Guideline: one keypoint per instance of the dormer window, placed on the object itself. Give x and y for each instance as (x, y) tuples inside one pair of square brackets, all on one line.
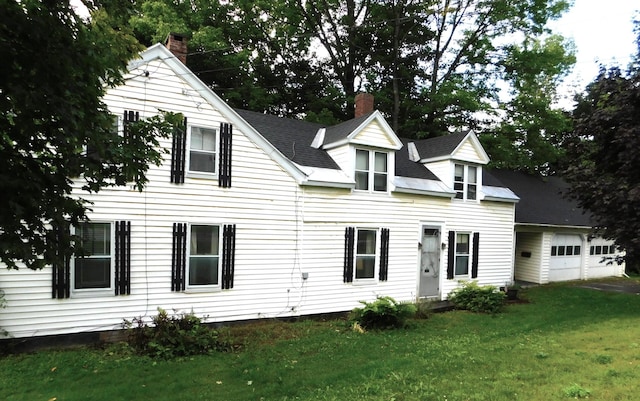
[(371, 170), (465, 182)]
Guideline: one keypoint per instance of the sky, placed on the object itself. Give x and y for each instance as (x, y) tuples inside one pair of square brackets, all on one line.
[(602, 31)]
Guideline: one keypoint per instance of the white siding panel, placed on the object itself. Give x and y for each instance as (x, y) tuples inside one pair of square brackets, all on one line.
[(527, 268), (373, 135), (443, 170), (468, 153)]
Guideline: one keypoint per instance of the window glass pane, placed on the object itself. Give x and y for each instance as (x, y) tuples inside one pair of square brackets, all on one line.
[(366, 242), (92, 272), (459, 173), (591, 250), (561, 251), (472, 174), (554, 250), (462, 243), (365, 266), (362, 180), (204, 240), (380, 165), (199, 161), (203, 270), (569, 250), (576, 250), (362, 159), (380, 182), (203, 139), (462, 265), (598, 249), (95, 238), (471, 191)]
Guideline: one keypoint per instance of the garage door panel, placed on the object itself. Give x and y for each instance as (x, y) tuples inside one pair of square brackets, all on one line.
[(565, 262)]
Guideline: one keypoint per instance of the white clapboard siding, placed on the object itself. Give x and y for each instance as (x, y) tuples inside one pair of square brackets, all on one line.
[(468, 153), (374, 135), (529, 268)]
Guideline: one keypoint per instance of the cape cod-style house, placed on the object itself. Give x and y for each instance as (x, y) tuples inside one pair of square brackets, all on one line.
[(253, 216)]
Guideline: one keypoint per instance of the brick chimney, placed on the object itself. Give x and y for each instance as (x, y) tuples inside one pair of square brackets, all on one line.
[(177, 44), (364, 104)]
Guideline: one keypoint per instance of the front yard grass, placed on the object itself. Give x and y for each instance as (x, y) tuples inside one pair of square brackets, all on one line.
[(566, 343)]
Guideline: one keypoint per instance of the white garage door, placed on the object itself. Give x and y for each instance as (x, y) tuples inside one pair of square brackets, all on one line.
[(566, 257)]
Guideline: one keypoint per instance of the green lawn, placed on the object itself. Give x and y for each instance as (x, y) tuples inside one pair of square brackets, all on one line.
[(564, 342)]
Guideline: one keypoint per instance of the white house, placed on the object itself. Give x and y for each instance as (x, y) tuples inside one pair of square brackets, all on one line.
[(554, 238), (254, 216)]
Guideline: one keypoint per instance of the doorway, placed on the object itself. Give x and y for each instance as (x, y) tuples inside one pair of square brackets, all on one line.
[(429, 262)]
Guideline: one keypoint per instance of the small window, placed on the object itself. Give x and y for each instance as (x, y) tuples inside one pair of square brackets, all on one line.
[(598, 249), (561, 250), (577, 249), (465, 182), (367, 179), (592, 250), (462, 254), (202, 150), (365, 254), (204, 255), (92, 270), (554, 250)]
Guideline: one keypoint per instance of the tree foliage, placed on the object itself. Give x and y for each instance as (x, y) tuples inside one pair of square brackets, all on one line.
[(56, 69), (604, 155), (433, 65)]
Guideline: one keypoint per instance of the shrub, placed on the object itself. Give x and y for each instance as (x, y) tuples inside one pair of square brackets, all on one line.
[(172, 336), (576, 391), (475, 298), (383, 313)]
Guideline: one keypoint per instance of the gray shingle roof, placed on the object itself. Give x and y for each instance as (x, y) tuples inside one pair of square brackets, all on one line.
[(439, 146), (341, 131), (542, 200), (408, 168), (291, 137)]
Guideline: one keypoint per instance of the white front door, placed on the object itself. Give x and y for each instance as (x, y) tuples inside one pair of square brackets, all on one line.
[(430, 262)]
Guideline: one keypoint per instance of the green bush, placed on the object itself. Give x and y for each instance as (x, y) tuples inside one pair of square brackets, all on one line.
[(383, 313), (475, 298), (172, 336)]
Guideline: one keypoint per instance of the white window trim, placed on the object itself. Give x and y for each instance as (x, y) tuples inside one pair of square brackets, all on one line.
[(371, 172), (469, 254), (204, 288), (94, 292), (202, 174), (466, 183), (376, 263)]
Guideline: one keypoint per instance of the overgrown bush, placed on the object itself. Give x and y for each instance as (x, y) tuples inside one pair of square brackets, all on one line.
[(475, 298), (171, 336), (383, 313)]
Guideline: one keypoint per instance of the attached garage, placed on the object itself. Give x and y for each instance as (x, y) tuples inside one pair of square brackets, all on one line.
[(565, 262)]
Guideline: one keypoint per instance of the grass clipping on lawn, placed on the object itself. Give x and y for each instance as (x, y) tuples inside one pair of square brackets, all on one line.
[(566, 343)]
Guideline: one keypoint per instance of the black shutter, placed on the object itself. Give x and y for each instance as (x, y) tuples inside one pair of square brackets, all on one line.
[(349, 243), (61, 277), (224, 171), (179, 257), (178, 151), (128, 118), (474, 256), (123, 258), (228, 255), (384, 254), (451, 260)]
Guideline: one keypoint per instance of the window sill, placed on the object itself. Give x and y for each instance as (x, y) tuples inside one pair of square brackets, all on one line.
[(93, 293), (202, 290), (364, 281), (202, 175)]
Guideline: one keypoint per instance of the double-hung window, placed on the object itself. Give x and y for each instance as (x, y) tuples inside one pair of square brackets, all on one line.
[(93, 268), (204, 256), (366, 249), (202, 150), (372, 170), (462, 254), (465, 182), (365, 254)]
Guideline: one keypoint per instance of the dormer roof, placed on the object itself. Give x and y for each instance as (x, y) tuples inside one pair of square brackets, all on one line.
[(463, 145), (352, 132)]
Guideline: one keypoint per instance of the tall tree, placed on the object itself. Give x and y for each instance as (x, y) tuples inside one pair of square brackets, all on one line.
[(604, 155), (56, 71), (530, 133)]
